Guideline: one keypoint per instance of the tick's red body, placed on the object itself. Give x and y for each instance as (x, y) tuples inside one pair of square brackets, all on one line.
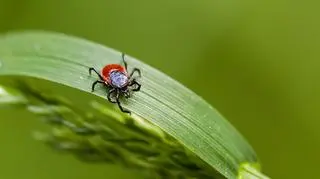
[(105, 72), (116, 78)]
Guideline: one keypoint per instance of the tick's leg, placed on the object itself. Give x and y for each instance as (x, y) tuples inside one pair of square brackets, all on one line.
[(124, 62), (135, 70), (92, 69), (95, 83), (119, 104), (111, 91), (126, 94), (134, 82)]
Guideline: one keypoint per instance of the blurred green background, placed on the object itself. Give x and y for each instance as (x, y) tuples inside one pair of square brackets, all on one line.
[(257, 62)]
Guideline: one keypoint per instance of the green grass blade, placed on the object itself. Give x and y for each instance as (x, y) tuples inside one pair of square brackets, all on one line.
[(162, 101)]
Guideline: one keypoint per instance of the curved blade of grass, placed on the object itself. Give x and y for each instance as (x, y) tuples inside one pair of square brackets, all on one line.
[(162, 101)]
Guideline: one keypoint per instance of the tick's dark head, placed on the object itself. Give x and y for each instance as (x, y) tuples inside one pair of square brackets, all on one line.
[(118, 79)]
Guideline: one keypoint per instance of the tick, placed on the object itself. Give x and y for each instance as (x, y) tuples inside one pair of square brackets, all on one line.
[(118, 81)]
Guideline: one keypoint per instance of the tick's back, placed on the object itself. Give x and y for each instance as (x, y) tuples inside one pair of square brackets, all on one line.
[(110, 68)]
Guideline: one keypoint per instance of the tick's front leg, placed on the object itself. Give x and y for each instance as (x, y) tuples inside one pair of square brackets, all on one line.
[(124, 62), (135, 70), (138, 85), (119, 104)]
